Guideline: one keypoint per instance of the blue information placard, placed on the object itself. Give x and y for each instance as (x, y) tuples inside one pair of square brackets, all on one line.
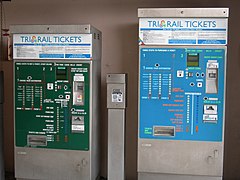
[(182, 93)]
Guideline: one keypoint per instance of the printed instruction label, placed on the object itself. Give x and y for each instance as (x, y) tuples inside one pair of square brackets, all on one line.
[(117, 96), (182, 31), (52, 46)]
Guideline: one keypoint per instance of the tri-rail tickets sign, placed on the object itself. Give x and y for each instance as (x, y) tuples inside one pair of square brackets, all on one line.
[(52, 46), (182, 31)]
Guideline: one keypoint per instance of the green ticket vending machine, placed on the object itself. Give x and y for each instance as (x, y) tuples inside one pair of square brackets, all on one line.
[(56, 101)]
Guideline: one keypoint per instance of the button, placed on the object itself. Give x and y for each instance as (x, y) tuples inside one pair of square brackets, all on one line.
[(67, 97), (199, 84), (180, 73), (50, 86)]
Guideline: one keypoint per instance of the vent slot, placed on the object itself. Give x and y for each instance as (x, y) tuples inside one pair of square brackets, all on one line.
[(166, 131), (35, 140)]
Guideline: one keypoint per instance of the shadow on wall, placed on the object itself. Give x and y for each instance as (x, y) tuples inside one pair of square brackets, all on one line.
[(130, 66), (8, 115)]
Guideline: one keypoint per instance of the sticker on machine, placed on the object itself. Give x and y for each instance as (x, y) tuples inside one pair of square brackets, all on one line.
[(182, 31), (52, 46), (117, 96)]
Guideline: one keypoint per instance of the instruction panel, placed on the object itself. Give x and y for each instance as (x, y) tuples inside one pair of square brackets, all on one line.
[(182, 93), (52, 105)]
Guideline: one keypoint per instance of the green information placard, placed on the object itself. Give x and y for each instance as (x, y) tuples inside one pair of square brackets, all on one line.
[(52, 105)]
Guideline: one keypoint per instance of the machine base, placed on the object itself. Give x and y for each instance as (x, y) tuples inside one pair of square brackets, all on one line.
[(154, 176)]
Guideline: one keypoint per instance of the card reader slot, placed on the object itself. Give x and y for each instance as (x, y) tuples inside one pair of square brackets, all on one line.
[(35, 140), (164, 131)]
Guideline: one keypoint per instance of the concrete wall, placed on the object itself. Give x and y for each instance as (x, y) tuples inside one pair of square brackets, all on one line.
[(117, 19)]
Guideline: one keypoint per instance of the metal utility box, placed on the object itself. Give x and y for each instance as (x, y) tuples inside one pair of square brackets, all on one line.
[(116, 104), (56, 101), (116, 91), (182, 80)]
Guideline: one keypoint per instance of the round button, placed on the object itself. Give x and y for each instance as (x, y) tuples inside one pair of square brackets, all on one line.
[(192, 84)]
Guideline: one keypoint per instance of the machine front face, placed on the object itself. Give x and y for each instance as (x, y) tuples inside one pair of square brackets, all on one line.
[(181, 93), (52, 105), (56, 90), (182, 65)]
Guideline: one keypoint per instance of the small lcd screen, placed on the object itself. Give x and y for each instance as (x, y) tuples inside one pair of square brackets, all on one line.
[(192, 60), (61, 73)]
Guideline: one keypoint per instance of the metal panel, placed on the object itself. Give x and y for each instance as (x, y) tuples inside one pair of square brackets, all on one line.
[(116, 78), (48, 29), (116, 89), (95, 114), (31, 163), (116, 104), (183, 12), (180, 157), (116, 144), (152, 176)]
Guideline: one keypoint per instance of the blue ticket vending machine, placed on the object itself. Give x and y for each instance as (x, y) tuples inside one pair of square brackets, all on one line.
[(182, 64)]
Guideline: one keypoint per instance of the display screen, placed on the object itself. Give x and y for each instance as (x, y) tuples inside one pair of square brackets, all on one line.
[(61, 73), (192, 59)]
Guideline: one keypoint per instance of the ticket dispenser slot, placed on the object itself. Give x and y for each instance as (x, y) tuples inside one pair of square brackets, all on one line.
[(212, 78), (78, 90)]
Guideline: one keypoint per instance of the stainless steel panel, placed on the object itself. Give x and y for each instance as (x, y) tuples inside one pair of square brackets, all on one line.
[(52, 164), (116, 144), (180, 157), (78, 93), (212, 80), (48, 29), (116, 90), (95, 98), (183, 12), (152, 176), (116, 78)]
